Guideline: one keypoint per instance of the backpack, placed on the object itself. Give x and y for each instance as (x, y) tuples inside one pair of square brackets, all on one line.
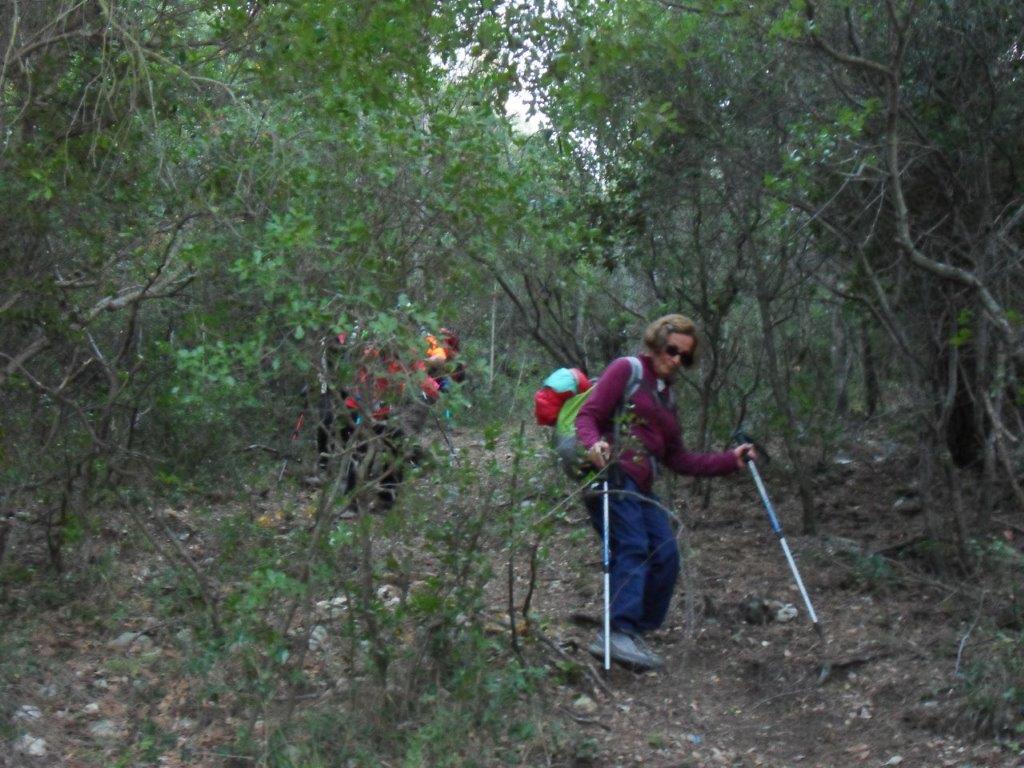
[(570, 453), (555, 391)]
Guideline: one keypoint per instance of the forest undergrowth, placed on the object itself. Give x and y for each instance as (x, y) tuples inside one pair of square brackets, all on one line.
[(223, 218), (268, 629)]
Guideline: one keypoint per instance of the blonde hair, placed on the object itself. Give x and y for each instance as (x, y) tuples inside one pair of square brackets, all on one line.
[(657, 333)]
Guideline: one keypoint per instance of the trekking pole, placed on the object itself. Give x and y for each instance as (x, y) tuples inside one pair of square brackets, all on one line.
[(606, 568), (295, 436), (444, 434), (777, 528)]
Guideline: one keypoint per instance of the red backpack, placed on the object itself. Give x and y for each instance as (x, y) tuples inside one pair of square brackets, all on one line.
[(556, 389)]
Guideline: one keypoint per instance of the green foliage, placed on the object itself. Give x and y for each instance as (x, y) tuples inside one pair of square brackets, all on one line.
[(932, 554), (963, 333), (873, 573), (993, 675), (994, 685), (401, 598), (194, 196), (16, 661), (793, 23)]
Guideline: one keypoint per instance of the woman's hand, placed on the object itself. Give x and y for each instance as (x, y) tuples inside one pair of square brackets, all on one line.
[(744, 452), (599, 453)]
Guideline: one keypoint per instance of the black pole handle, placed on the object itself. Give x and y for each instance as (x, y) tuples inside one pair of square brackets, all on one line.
[(739, 436)]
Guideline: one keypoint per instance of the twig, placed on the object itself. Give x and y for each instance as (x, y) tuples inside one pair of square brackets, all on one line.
[(512, 545), (595, 678), (17, 361), (260, 447), (697, 10), (532, 585), (784, 694), (967, 635), (585, 720), (209, 590)]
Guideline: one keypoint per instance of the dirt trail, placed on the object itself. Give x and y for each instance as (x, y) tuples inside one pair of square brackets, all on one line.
[(736, 693)]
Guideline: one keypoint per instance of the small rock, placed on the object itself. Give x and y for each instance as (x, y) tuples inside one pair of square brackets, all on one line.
[(104, 729), (132, 641), (31, 746), (318, 638), (786, 613), (838, 545), (720, 757), (754, 611), (28, 712), (388, 595), (124, 640), (184, 637), (91, 708), (585, 704), (907, 505), (333, 608), (894, 760)]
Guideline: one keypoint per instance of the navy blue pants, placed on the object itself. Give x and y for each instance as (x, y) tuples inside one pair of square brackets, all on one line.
[(644, 556)]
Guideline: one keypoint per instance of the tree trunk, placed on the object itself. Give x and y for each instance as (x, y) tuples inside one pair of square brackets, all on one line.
[(872, 393), (841, 364), (790, 430), (494, 327)]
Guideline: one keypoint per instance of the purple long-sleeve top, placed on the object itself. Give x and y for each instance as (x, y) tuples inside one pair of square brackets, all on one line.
[(652, 425)]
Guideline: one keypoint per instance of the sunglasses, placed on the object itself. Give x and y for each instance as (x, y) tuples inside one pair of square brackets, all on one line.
[(685, 357)]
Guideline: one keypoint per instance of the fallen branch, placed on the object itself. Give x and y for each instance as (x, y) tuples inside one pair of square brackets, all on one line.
[(584, 720), (595, 678), (899, 547)]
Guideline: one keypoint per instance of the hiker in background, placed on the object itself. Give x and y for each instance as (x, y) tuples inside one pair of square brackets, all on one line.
[(441, 362), (644, 554), (388, 400), (380, 403), (331, 349)]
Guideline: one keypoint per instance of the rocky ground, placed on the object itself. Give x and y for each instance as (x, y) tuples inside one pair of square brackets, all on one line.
[(742, 688), (747, 682)]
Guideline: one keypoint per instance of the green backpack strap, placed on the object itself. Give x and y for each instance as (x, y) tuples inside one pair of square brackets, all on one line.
[(566, 422), (567, 447)]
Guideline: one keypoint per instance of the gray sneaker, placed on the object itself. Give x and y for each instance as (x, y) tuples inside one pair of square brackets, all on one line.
[(628, 650)]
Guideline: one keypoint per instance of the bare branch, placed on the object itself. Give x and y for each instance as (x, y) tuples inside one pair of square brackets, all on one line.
[(851, 32), (904, 237), (696, 9), (853, 60), (17, 361)]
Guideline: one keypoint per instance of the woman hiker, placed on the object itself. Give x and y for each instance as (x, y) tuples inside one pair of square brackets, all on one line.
[(644, 555)]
